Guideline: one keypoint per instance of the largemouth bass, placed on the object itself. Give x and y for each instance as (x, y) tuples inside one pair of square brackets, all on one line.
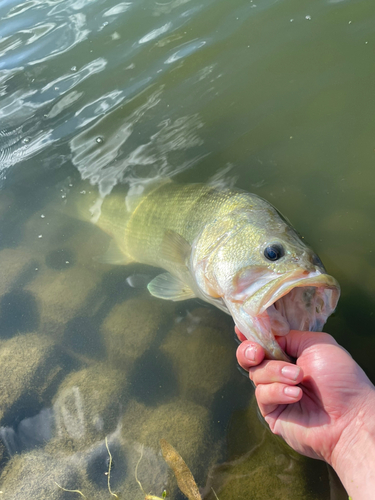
[(228, 247)]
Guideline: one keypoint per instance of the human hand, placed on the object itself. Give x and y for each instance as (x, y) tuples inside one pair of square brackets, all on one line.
[(314, 405)]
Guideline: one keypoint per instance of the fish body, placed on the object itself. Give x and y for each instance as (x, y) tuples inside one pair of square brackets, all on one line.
[(228, 247)]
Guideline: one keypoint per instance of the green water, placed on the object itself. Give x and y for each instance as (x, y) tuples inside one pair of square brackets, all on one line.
[(274, 96)]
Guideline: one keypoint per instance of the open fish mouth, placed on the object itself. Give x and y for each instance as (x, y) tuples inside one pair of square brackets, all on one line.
[(304, 305), (298, 302)]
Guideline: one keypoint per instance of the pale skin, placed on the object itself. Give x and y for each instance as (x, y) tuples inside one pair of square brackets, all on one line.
[(323, 406)]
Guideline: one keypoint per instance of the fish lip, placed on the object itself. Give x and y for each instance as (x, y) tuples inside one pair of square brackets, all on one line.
[(259, 302)]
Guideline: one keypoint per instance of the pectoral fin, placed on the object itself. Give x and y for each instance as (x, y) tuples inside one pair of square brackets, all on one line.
[(113, 256), (175, 248), (168, 287)]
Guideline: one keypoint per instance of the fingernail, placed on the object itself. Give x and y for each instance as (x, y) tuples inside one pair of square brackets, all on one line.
[(291, 372), (250, 353), (291, 391)]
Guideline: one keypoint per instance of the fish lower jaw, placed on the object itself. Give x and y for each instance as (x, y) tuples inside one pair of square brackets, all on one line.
[(258, 330), (255, 330), (267, 340), (271, 346)]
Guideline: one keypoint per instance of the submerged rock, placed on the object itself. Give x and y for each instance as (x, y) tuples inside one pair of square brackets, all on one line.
[(31, 367), (262, 466), (61, 295), (41, 475), (14, 263), (19, 312), (88, 406), (30, 433), (183, 424), (133, 326), (31, 476), (203, 356), (152, 379)]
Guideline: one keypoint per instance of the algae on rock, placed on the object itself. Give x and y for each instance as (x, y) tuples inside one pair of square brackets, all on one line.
[(133, 326), (30, 369), (185, 425), (13, 262), (38, 475), (203, 360), (262, 466), (61, 294), (88, 405)]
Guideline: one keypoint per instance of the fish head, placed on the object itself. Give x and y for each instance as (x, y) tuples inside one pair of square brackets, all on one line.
[(270, 281)]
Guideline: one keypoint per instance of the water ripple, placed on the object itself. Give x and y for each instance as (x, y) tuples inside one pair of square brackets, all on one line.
[(23, 104), (21, 8), (185, 51), (123, 157), (15, 147), (45, 92), (162, 8), (70, 34), (64, 103), (15, 105), (38, 31), (120, 8), (155, 33), (68, 81), (48, 40), (92, 110)]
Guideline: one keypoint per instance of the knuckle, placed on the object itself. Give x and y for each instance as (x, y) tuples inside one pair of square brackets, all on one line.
[(259, 393), (270, 367), (275, 391)]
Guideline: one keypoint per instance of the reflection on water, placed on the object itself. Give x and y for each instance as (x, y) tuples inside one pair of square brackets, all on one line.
[(96, 150), (274, 96)]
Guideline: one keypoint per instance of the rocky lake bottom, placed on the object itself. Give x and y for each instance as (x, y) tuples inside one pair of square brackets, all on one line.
[(91, 364)]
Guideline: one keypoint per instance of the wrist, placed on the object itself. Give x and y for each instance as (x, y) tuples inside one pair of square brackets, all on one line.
[(354, 455)]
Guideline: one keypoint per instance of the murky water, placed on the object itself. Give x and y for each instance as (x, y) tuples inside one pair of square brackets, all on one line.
[(274, 96)]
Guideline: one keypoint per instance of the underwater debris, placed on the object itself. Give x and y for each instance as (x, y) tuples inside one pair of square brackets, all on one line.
[(109, 469), (185, 479), (147, 496), (214, 492), (70, 491), (108, 473)]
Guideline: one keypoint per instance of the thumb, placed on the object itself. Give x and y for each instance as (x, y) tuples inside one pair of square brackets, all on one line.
[(296, 342), (249, 354)]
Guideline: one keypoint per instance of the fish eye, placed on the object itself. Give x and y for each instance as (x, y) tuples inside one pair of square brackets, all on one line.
[(274, 252)]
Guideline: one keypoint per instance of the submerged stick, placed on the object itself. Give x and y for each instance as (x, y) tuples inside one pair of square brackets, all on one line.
[(70, 491), (214, 492), (185, 479), (109, 469)]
